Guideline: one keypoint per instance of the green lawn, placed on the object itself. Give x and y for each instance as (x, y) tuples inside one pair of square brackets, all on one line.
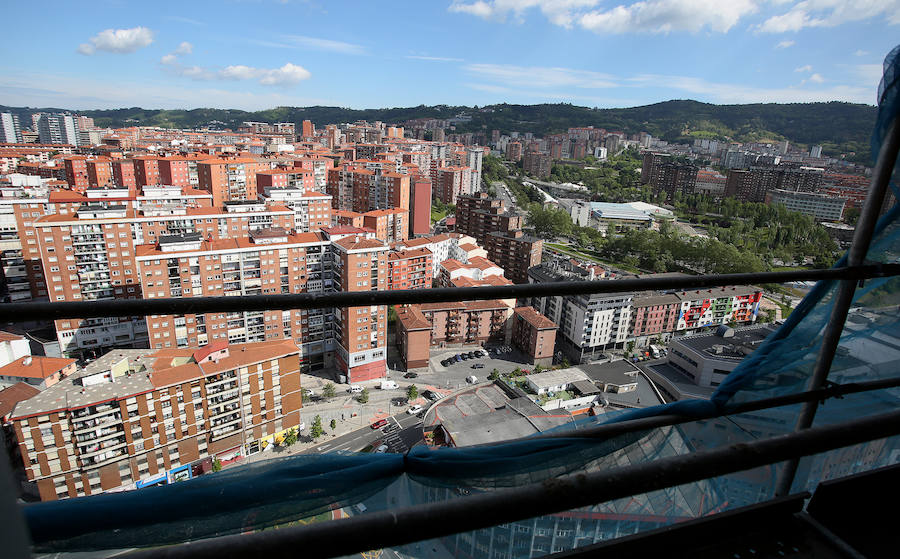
[(590, 255)]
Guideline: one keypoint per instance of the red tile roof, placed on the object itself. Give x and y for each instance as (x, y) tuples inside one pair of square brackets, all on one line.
[(14, 394), (35, 367), (536, 319)]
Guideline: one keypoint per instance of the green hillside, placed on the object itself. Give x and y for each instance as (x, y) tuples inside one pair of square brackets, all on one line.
[(840, 128)]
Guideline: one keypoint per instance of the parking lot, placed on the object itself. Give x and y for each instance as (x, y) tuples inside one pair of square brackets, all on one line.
[(453, 375)]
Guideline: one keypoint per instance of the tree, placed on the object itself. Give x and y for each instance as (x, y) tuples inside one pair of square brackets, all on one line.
[(216, 465), (363, 397), (290, 438), (495, 375), (333, 424), (328, 390), (316, 430), (412, 392), (565, 363), (304, 396), (629, 347), (538, 369)]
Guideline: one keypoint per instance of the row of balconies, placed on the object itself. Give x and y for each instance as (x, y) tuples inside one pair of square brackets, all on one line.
[(88, 424)]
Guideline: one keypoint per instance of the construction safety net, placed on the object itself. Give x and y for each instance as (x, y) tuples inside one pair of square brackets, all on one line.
[(304, 488)]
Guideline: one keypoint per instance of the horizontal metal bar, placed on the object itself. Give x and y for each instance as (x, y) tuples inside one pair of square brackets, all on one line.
[(421, 522), (14, 312), (609, 430)]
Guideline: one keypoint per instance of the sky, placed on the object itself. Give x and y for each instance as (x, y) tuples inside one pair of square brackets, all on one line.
[(259, 54)]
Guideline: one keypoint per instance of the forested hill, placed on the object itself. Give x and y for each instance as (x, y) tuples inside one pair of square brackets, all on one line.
[(840, 128)]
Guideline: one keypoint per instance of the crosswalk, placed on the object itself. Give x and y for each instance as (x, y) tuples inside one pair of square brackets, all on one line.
[(392, 437)]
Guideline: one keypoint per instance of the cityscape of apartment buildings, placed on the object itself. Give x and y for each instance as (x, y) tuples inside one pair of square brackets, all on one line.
[(93, 214)]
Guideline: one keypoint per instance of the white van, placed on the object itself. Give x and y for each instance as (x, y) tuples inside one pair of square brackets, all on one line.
[(355, 389), (388, 385)]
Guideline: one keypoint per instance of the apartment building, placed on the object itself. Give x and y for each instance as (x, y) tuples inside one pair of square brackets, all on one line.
[(294, 179), (357, 188), (312, 210), (10, 131), (703, 308), (449, 183), (537, 164), (229, 179), (456, 324), (91, 256), (535, 335), (514, 151), (752, 185), (146, 170), (420, 206), (56, 128), (440, 247), (673, 178), (409, 269), (268, 261), (588, 324), (180, 170), (477, 269), (478, 215), (76, 172), (515, 252), (821, 206), (142, 417), (360, 264), (37, 371), (654, 316), (390, 225)]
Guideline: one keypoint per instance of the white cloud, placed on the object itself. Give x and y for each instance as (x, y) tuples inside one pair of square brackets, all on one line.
[(655, 16), (817, 78), (328, 45), (559, 12), (184, 48), (434, 58), (75, 93), (541, 77), (806, 68), (288, 74), (861, 52), (830, 13), (664, 16), (785, 44), (118, 40), (480, 9)]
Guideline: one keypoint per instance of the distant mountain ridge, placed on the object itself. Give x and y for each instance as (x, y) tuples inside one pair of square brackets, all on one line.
[(840, 128)]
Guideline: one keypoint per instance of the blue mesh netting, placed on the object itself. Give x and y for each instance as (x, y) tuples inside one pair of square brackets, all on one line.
[(263, 495)]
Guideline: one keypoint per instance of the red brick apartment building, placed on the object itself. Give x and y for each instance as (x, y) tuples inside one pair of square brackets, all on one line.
[(360, 264), (409, 269), (534, 334), (143, 417)]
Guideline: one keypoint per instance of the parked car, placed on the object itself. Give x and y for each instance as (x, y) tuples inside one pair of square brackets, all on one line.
[(478, 366), (400, 401), (464, 356), (379, 424), (429, 395), (472, 355), (355, 389), (447, 362), (382, 448), (457, 358), (410, 375), (481, 353), (414, 410), (472, 379)]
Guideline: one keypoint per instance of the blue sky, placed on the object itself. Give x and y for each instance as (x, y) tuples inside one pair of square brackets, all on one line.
[(265, 53)]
